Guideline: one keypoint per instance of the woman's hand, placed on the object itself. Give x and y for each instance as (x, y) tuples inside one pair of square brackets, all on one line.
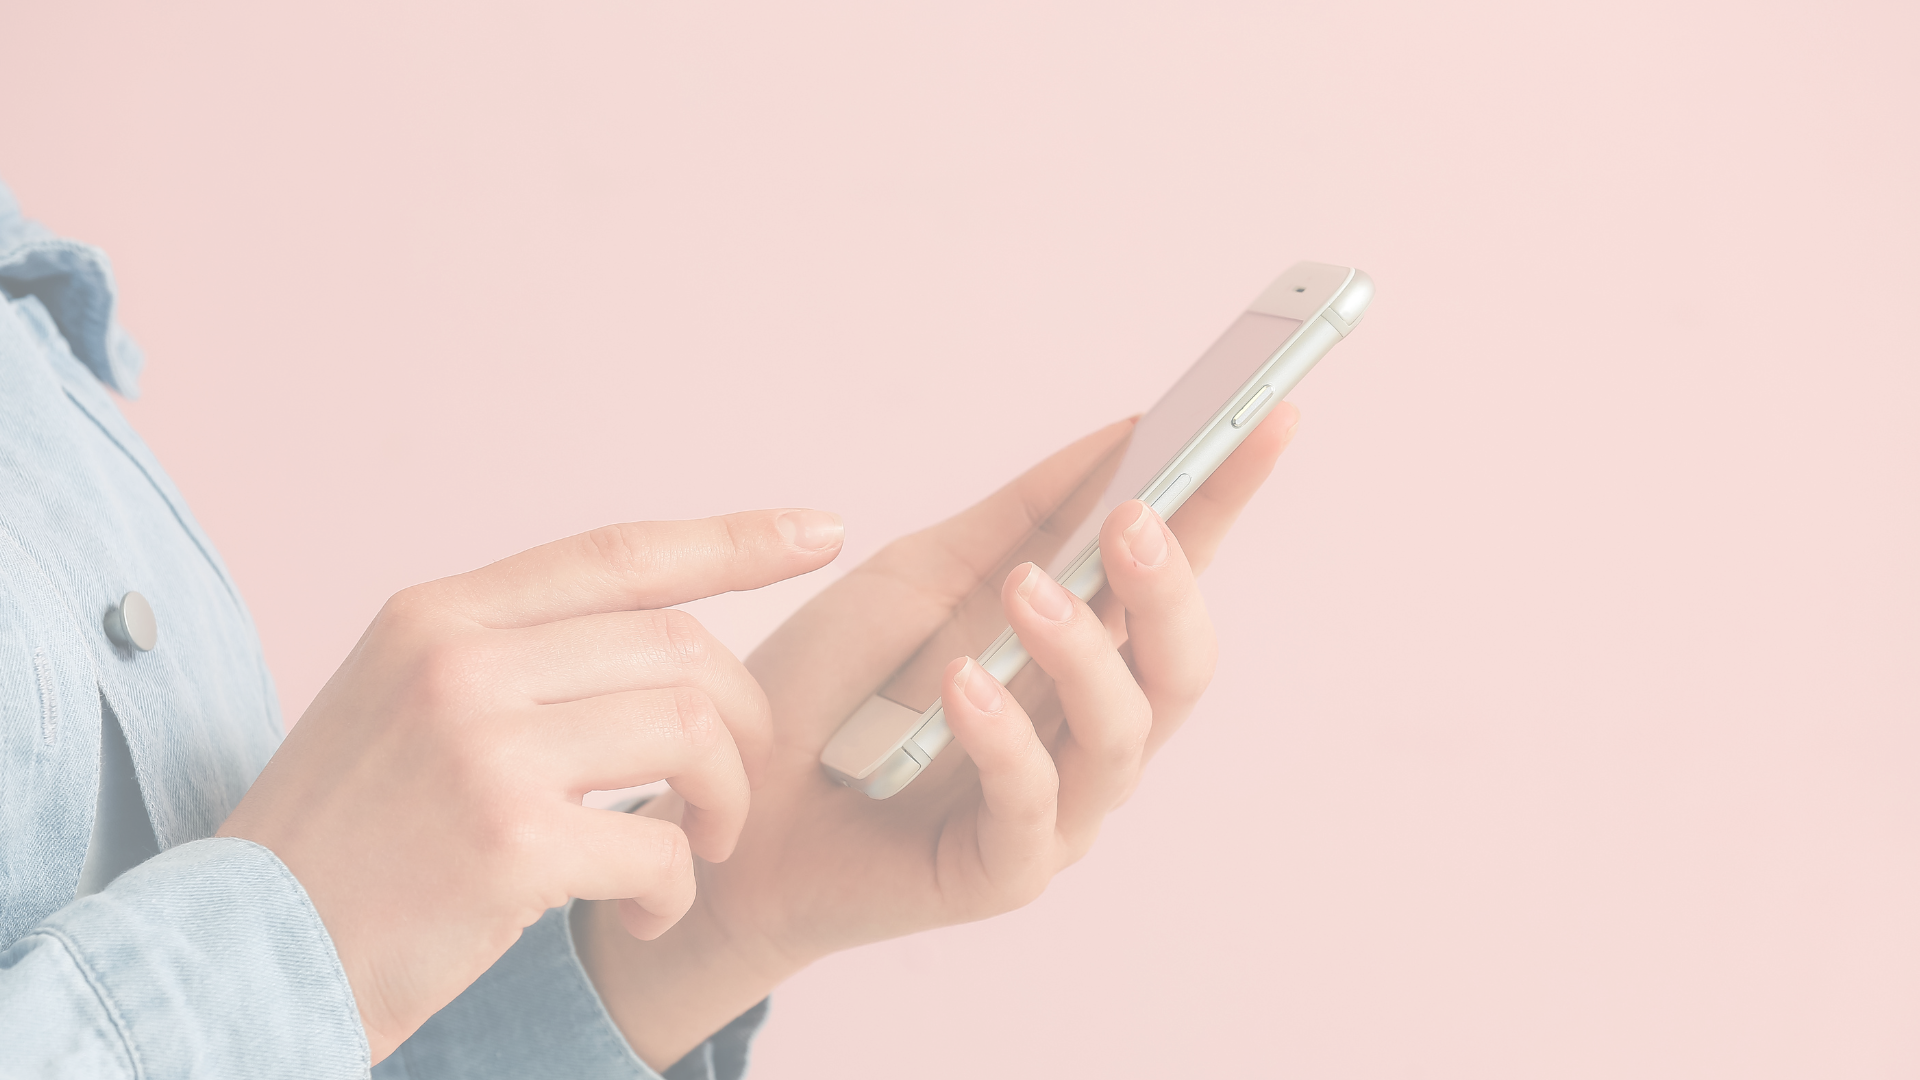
[(821, 868), (429, 800)]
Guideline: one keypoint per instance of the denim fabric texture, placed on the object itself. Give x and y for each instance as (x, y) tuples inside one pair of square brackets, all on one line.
[(207, 960)]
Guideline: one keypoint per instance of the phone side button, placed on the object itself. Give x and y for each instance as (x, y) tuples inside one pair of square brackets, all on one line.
[(1164, 503), (1253, 406)]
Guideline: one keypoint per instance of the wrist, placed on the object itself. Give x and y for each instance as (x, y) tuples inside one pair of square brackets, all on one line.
[(671, 994)]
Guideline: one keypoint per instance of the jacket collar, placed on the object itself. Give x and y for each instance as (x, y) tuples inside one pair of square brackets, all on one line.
[(75, 282)]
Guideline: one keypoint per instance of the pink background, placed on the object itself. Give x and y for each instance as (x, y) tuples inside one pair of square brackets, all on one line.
[(1568, 719)]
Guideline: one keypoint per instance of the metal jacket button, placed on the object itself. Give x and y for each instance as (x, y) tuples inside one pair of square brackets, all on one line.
[(132, 623)]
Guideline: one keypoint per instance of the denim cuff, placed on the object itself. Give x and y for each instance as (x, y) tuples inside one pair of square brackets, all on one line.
[(723, 1057), (206, 960), (535, 1013)]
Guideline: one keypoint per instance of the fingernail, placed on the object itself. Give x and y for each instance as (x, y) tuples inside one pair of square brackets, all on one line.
[(981, 688), (1146, 539), (1045, 596), (811, 530), (1292, 418)]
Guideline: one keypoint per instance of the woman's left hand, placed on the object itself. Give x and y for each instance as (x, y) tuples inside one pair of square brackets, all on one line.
[(820, 868)]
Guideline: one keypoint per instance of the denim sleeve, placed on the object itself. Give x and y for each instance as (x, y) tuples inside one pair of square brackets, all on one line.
[(535, 1013), (207, 960)]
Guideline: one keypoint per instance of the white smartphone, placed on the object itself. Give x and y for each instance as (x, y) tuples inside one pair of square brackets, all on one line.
[(1171, 451)]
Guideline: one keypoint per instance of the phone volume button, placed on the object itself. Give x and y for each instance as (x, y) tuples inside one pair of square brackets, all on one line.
[(1163, 503), (1254, 405)]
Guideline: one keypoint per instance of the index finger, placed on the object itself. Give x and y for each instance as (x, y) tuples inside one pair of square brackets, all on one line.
[(648, 564)]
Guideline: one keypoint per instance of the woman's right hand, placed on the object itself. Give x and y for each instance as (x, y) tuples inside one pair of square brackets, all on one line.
[(429, 800)]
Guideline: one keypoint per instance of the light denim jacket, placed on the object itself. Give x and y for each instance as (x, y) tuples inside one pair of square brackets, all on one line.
[(206, 960)]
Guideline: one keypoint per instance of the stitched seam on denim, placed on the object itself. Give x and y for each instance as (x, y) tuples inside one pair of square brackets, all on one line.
[(212, 563), (12, 257), (339, 971), (49, 704), (64, 601), (72, 949)]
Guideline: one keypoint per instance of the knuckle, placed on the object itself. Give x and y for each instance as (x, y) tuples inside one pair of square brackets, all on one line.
[(1029, 890), (1111, 753), (667, 852), (1046, 806), (686, 641), (1195, 687), (1119, 740), (508, 839), (619, 548), (698, 718), (476, 766), (1013, 891), (1076, 851), (448, 674), (406, 610), (1133, 736), (736, 538)]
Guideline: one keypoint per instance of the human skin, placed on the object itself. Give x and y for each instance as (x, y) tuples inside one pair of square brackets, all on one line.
[(820, 868), (447, 757)]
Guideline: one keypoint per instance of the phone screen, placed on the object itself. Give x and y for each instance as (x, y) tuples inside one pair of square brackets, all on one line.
[(1163, 432)]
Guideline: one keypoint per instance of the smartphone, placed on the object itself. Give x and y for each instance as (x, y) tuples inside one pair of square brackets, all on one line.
[(1171, 451)]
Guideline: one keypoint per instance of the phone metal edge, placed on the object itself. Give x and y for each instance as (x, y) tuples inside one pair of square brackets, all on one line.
[(1337, 310)]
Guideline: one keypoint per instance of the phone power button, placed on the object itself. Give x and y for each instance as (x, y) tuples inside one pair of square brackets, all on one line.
[(1253, 407)]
